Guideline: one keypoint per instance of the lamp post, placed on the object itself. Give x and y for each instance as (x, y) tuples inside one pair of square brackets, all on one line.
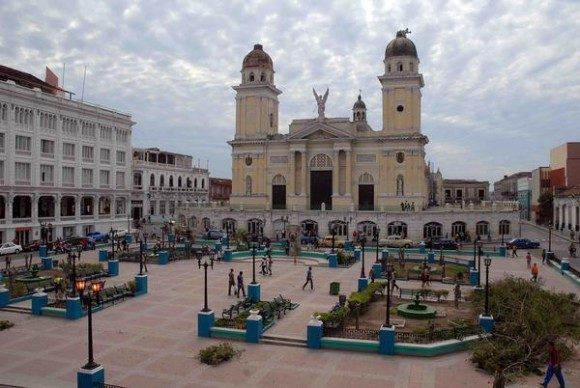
[(333, 234), (44, 228), (284, 221), (141, 257), (253, 260), (474, 251), (376, 237), (95, 287), (487, 264), (389, 276), (479, 251), (72, 259), (205, 307), (363, 240), (550, 237), (112, 233), (347, 221)]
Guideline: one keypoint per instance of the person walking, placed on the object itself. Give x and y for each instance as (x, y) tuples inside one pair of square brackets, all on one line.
[(270, 262), (241, 285), (211, 260), (394, 281), (231, 281), (554, 367), (372, 275), (309, 279), (456, 294), (535, 272), (529, 260), (263, 265), (543, 256), (514, 251)]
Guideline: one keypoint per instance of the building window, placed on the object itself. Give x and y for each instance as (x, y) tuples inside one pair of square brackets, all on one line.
[(481, 194), (171, 181), (389, 68), (88, 130), (432, 230), (22, 173), (47, 148), (161, 207), (22, 145), (251, 77), (106, 133), (88, 154), (46, 175), (400, 186), (152, 180), (105, 155), (104, 178), (400, 65), (504, 227), (68, 176), (367, 228), (447, 194), (1, 142), (271, 120), (203, 183), (458, 228), (162, 180), (87, 177), (248, 185), (411, 66), (120, 179), (120, 158), (482, 228), (459, 194), (68, 151), (1, 180), (397, 228)]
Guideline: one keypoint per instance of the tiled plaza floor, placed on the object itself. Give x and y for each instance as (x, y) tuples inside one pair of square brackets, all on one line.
[(151, 341)]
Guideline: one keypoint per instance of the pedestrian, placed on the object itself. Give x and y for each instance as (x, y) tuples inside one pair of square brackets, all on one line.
[(309, 279), (543, 256), (124, 245), (270, 262), (211, 260), (372, 275), (199, 260), (514, 251), (263, 265), (231, 281), (394, 281), (529, 260), (554, 367), (535, 271), (456, 294), (241, 285)]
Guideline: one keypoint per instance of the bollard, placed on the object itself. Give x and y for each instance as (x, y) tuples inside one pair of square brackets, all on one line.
[(89, 378), (487, 323), (205, 321), (140, 285), (363, 283), (73, 308), (228, 254), (46, 263), (254, 291), (332, 260), (377, 270), (357, 254), (387, 340), (39, 300), (431, 257), (43, 251), (163, 258), (385, 254), (254, 327), (422, 248), (103, 255), (113, 267), (314, 334), (4, 296)]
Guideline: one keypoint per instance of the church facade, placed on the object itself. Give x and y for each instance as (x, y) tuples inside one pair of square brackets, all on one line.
[(331, 163), (340, 172)]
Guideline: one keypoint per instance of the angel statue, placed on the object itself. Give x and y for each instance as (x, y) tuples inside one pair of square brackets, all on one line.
[(321, 102)]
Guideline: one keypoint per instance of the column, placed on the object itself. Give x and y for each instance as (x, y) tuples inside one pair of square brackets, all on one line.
[(335, 168), (57, 199), (348, 179), (77, 207), (304, 167), (9, 207), (291, 175), (34, 207)]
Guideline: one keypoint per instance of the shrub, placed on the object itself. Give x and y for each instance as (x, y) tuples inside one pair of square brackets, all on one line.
[(132, 285), (216, 354), (5, 325), (334, 318)]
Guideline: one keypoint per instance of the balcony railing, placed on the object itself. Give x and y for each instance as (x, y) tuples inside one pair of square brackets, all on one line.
[(68, 218), (87, 216), (25, 220), (47, 155)]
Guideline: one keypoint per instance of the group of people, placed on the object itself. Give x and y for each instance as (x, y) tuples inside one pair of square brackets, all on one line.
[(408, 207)]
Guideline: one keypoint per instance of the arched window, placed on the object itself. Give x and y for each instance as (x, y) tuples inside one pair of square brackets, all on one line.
[(203, 183), (400, 186), (152, 180), (366, 179), (397, 228), (320, 162), (458, 228), (170, 180), (271, 120), (179, 182), (504, 227), (482, 228), (411, 66), (229, 225), (188, 183), (262, 77), (195, 183), (162, 180), (367, 228), (340, 227), (400, 66), (248, 185), (389, 68), (251, 77), (364, 116), (358, 115), (432, 230)]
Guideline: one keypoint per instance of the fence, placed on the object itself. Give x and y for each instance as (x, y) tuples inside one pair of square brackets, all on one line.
[(436, 335)]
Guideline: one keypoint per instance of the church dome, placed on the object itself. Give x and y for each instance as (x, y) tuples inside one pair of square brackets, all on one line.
[(258, 58), (401, 46), (359, 104)]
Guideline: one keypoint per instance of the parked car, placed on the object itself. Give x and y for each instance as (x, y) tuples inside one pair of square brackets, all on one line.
[(10, 248), (523, 243), (444, 243), (326, 242), (306, 239), (396, 241), (214, 234), (98, 236), (122, 233), (34, 245)]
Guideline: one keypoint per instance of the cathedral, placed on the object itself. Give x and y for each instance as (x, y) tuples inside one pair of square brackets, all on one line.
[(336, 172), (331, 163)]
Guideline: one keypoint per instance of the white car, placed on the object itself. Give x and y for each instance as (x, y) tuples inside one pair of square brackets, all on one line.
[(122, 233), (396, 241), (10, 248)]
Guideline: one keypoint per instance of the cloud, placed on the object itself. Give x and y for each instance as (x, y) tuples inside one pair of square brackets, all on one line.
[(502, 77)]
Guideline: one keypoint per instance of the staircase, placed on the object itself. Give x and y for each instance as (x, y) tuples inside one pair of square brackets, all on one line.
[(17, 309), (282, 340)]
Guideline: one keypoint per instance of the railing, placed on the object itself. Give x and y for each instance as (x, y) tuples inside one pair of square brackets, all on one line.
[(231, 324), (436, 335), (105, 385), (68, 218), (352, 333), (22, 220), (87, 216)]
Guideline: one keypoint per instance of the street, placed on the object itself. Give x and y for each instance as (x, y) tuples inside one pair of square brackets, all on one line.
[(560, 242)]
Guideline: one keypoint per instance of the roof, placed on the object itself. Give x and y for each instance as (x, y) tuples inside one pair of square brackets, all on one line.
[(457, 181), (359, 104), (401, 46), (26, 80), (569, 192), (258, 58)]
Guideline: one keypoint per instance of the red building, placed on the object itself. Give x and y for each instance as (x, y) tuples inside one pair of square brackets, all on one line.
[(220, 190)]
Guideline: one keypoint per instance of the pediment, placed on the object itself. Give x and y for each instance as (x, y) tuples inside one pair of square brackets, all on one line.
[(318, 130)]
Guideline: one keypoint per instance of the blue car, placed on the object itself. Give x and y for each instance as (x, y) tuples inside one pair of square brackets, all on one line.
[(98, 236), (523, 243)]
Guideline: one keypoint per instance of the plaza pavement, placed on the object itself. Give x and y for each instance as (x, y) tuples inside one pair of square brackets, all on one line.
[(151, 341)]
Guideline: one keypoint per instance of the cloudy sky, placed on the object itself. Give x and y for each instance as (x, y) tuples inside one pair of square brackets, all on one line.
[(502, 78)]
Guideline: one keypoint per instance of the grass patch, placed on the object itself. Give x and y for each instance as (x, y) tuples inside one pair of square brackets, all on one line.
[(216, 354)]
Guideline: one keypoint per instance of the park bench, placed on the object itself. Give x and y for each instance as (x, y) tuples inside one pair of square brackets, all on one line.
[(231, 312)]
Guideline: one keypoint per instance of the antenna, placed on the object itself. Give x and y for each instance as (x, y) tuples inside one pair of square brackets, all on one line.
[(84, 78), (63, 71)]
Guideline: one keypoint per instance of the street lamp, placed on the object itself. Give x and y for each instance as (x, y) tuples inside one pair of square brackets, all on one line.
[(205, 307), (112, 233), (44, 228), (550, 237), (141, 257), (96, 288), (284, 221), (479, 252), (363, 240), (253, 259), (347, 221), (474, 251), (72, 258), (376, 237), (389, 276), (333, 234), (487, 264)]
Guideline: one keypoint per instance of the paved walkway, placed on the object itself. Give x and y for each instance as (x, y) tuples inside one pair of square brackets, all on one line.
[(151, 341)]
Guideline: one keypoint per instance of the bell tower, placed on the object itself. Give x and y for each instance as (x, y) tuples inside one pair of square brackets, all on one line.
[(401, 86), (256, 97)]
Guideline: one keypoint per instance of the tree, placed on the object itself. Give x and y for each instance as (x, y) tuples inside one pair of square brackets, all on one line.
[(545, 207), (527, 317)]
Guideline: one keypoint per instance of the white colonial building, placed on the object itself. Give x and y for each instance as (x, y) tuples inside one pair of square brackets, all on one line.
[(63, 162), (164, 182)]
